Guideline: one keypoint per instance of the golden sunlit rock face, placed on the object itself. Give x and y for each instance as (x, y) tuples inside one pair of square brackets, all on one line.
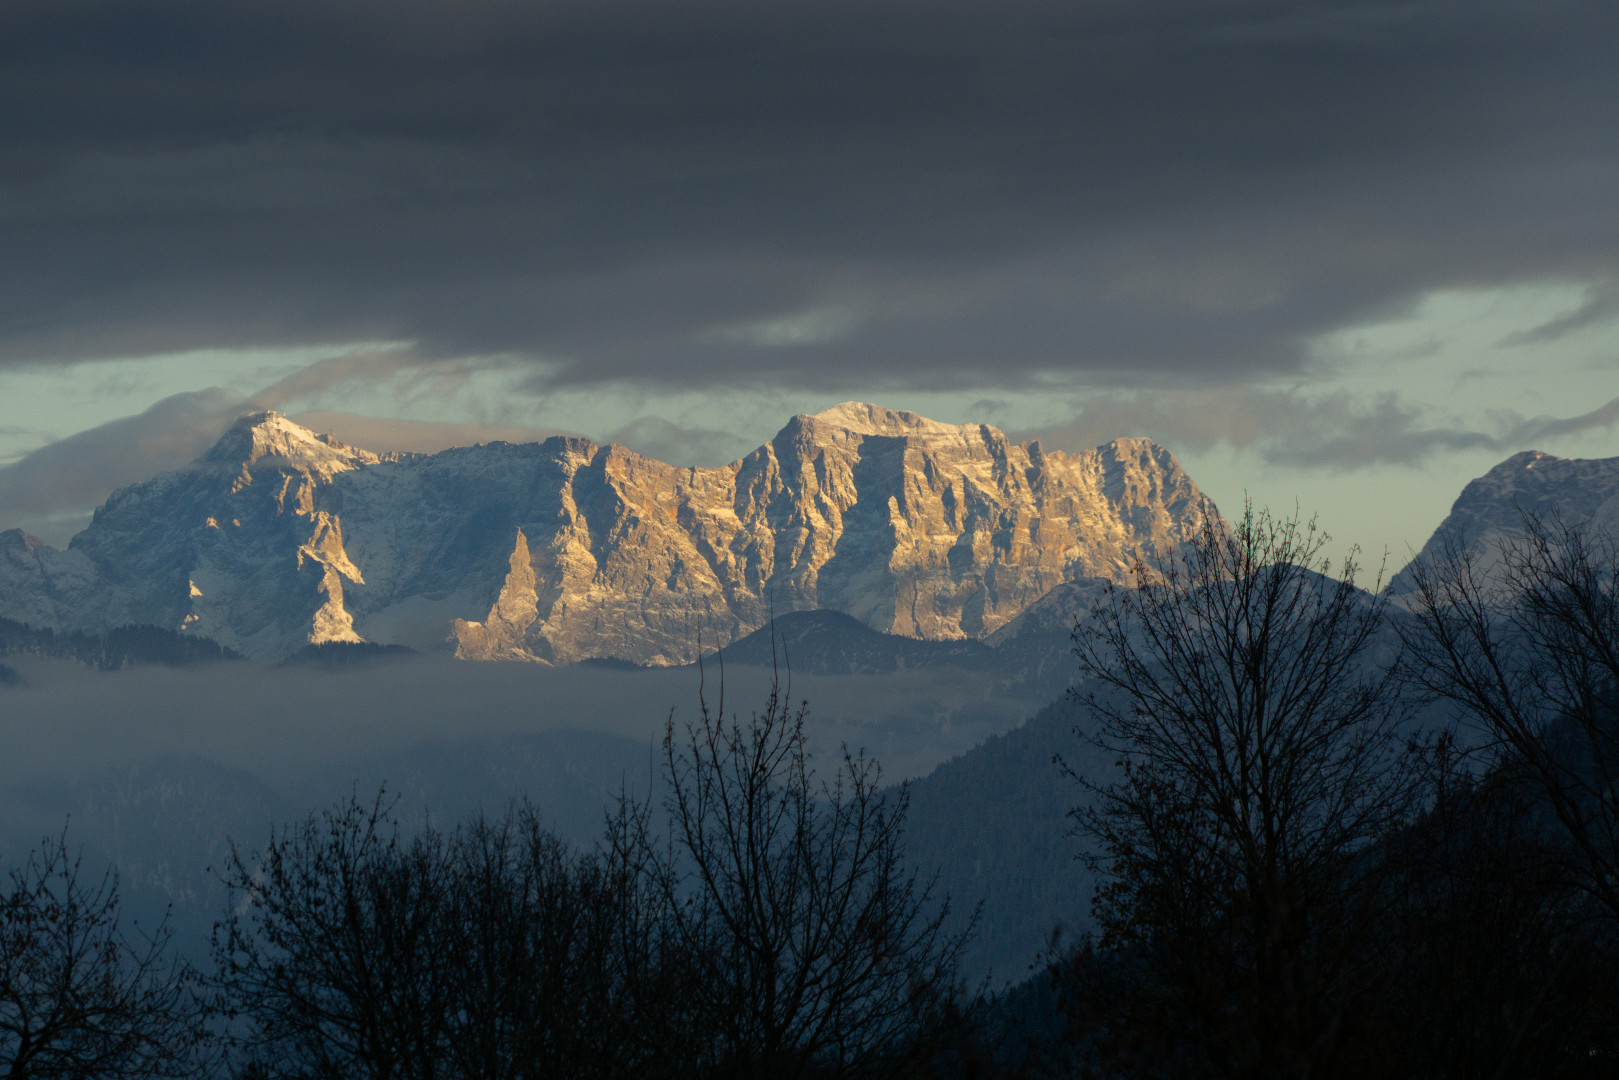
[(566, 549)]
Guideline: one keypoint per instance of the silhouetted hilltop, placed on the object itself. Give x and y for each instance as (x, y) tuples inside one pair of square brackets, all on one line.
[(342, 655)]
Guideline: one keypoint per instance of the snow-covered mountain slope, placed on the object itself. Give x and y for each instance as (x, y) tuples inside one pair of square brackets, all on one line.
[(42, 586), (563, 550), (1581, 490)]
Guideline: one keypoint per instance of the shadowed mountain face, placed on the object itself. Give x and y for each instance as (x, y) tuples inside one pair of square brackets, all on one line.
[(565, 550), (1580, 490)]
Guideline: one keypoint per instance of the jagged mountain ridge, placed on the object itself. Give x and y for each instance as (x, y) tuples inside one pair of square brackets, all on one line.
[(1580, 490), (566, 549)]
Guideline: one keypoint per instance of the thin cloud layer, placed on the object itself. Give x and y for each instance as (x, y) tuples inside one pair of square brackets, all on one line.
[(386, 435), (715, 193), (1601, 304), (1338, 431), (52, 491)]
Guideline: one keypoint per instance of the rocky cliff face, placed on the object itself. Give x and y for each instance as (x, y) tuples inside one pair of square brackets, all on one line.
[(563, 550), (1580, 489)]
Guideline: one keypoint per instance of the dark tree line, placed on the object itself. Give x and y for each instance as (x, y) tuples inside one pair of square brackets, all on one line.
[(490, 951), (1260, 763), (1523, 639), (117, 648)]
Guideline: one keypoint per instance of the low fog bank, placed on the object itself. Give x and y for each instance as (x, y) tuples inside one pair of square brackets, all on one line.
[(281, 724), (158, 770)]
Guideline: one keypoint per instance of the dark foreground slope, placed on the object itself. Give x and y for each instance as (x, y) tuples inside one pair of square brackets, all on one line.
[(995, 823)]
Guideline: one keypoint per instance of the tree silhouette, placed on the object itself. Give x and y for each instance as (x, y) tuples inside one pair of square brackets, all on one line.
[(494, 951), (330, 962), (1240, 691), (1524, 641), (816, 950), (80, 997)]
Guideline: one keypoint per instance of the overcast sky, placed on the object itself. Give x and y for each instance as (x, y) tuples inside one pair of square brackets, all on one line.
[(1344, 254)]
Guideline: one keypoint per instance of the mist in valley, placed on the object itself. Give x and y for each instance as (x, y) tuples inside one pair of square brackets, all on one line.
[(157, 771)]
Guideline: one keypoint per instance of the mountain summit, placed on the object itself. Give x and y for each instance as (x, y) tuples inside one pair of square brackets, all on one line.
[(257, 436), (566, 549), (1580, 490)]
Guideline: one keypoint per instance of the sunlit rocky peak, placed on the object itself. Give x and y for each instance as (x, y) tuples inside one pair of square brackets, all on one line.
[(564, 550), (257, 436)]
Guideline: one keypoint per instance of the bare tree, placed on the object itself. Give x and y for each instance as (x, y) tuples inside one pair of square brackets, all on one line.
[(1524, 641), (330, 963), (558, 971), (494, 951), (815, 950), (1244, 694), (79, 996)]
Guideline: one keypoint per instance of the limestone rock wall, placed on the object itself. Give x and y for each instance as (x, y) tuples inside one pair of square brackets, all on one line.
[(567, 549)]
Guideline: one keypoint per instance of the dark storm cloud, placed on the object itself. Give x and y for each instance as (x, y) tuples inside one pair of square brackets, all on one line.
[(946, 193)]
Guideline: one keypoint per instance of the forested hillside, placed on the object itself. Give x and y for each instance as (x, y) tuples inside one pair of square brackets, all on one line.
[(995, 823), (114, 649)]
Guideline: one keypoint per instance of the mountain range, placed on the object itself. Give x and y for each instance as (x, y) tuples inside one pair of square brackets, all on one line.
[(565, 550), (887, 546)]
